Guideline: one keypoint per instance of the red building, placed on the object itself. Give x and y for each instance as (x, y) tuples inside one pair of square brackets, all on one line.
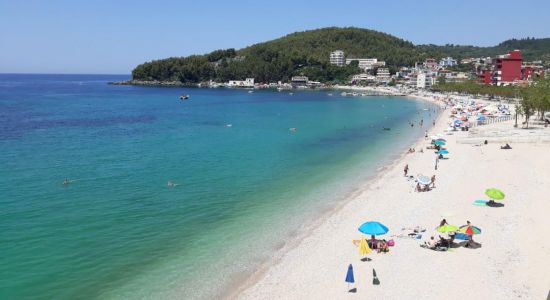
[(507, 68), (485, 76), (531, 71), (431, 63)]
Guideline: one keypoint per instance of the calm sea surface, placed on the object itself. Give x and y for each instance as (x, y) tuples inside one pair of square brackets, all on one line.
[(118, 231)]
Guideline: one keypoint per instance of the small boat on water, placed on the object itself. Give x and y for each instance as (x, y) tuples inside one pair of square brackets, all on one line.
[(387, 128), (184, 97), (250, 92)]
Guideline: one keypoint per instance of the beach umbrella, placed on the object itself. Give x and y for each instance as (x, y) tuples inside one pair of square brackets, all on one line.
[(439, 142), (469, 230), (423, 179), (373, 228), (447, 228), (443, 151), (494, 194), (349, 275), (481, 118), (457, 122), (441, 139)]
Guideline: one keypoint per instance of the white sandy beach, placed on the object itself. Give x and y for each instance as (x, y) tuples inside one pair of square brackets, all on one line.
[(512, 262)]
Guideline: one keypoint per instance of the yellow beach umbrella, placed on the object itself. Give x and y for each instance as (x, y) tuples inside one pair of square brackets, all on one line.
[(447, 228)]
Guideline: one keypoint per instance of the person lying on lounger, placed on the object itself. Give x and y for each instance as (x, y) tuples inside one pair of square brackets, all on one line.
[(382, 246)]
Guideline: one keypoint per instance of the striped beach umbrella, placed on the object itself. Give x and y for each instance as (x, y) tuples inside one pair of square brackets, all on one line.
[(469, 230)]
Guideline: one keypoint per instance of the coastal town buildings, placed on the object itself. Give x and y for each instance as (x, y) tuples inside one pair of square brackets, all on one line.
[(383, 75), (453, 77), (337, 58), (247, 83)]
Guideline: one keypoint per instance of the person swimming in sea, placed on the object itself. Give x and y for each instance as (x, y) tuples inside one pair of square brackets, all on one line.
[(171, 184), (68, 181)]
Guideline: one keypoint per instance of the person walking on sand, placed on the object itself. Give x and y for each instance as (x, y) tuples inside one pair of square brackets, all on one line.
[(436, 162), (433, 181), (406, 170)]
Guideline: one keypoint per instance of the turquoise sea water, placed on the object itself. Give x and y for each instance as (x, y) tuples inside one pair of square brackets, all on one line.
[(119, 232)]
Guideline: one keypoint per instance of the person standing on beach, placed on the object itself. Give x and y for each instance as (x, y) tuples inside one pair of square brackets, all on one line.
[(406, 170), (433, 181), (426, 135)]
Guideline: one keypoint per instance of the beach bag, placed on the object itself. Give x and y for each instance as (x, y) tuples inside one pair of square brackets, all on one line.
[(375, 280), (391, 243)]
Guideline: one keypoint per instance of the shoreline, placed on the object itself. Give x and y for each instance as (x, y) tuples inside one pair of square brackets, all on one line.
[(291, 270), (374, 179)]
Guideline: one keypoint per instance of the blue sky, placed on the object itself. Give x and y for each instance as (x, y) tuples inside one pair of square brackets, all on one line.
[(111, 37)]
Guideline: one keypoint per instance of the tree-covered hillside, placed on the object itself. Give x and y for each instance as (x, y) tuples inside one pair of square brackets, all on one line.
[(533, 49), (307, 53), (301, 53)]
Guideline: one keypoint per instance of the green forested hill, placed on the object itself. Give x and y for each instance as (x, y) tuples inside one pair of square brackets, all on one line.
[(533, 49), (307, 53), (298, 53)]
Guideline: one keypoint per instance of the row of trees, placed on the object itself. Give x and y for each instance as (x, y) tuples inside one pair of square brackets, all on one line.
[(535, 100), (474, 88)]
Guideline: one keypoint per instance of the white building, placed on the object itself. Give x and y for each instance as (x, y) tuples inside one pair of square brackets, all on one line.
[(247, 83), (363, 77), (337, 58), (297, 81), (424, 81), (366, 63), (447, 62), (383, 75)]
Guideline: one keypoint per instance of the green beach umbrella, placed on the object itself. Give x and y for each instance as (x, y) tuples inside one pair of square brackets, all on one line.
[(494, 194), (447, 228)]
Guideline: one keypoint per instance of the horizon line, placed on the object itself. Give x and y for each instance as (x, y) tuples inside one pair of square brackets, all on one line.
[(40, 73)]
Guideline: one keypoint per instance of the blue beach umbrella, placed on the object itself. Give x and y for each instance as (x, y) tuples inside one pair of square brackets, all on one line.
[(373, 228), (443, 152), (439, 142), (349, 275), (481, 118), (457, 122)]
